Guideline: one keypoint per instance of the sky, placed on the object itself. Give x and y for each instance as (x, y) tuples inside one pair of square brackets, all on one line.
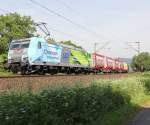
[(114, 23)]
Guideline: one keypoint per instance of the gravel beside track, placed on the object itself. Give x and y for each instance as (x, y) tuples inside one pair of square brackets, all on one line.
[(36, 82)]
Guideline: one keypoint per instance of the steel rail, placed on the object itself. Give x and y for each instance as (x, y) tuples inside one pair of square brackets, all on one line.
[(63, 75)]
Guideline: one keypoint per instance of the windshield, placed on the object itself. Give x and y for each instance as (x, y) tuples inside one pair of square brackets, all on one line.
[(19, 46), (14, 46), (25, 45)]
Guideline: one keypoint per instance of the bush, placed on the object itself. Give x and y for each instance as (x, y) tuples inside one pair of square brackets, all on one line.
[(65, 106), (147, 85), (3, 60)]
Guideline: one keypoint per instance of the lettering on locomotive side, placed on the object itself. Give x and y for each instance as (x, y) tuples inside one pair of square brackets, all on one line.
[(50, 52)]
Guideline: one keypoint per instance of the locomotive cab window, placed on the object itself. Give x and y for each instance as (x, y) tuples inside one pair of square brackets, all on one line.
[(14, 46), (25, 45), (39, 45)]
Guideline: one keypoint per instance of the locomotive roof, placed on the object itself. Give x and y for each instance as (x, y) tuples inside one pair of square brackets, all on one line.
[(61, 44), (21, 40)]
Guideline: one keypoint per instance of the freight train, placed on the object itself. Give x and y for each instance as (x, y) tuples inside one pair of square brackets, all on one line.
[(36, 55)]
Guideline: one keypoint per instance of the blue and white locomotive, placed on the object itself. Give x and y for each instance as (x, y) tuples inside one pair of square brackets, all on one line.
[(36, 55)]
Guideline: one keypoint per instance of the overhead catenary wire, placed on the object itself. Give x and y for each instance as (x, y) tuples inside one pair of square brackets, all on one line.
[(76, 12), (3, 10), (133, 48), (79, 14), (64, 4), (75, 37), (43, 27), (66, 19), (67, 34), (103, 46), (67, 6)]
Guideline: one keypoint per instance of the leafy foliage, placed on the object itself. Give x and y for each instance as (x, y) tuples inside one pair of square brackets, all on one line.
[(141, 62), (3, 60), (14, 26), (51, 40), (69, 42), (74, 106)]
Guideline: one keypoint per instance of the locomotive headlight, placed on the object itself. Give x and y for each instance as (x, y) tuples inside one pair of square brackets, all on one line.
[(24, 59), (10, 60)]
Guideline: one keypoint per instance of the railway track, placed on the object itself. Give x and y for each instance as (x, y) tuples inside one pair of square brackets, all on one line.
[(60, 75)]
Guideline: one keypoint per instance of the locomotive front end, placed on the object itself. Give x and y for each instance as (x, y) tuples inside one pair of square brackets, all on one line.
[(18, 54)]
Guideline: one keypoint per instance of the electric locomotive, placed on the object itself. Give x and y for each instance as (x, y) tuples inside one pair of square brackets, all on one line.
[(36, 55)]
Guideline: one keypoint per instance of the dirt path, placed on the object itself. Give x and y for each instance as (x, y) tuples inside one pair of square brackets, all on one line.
[(143, 116)]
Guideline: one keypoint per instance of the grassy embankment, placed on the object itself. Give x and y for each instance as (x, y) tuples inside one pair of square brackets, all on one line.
[(104, 102)]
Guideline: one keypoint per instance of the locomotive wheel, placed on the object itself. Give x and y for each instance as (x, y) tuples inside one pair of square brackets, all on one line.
[(24, 72), (54, 72), (68, 71), (41, 72), (14, 69)]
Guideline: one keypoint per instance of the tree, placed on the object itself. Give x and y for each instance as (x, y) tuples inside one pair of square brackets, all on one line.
[(51, 40), (71, 44), (14, 26), (141, 62)]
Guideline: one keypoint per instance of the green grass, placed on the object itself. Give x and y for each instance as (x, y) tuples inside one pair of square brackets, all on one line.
[(138, 89), (5, 73), (104, 102)]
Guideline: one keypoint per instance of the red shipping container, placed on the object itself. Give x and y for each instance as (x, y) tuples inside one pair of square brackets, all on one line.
[(110, 63), (98, 61)]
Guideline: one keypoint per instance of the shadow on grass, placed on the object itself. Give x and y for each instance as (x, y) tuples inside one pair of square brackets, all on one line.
[(120, 116)]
